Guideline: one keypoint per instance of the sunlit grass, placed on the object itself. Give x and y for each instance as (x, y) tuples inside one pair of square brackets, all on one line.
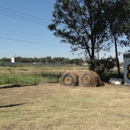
[(40, 74), (51, 106), (29, 79), (33, 74)]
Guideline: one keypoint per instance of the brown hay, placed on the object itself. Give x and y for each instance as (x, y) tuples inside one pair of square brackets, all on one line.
[(73, 74), (60, 80), (95, 79)]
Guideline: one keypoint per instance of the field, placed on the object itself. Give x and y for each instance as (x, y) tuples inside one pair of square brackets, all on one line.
[(29, 75), (55, 107)]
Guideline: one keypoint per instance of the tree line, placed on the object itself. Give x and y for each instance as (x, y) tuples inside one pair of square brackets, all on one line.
[(46, 60)]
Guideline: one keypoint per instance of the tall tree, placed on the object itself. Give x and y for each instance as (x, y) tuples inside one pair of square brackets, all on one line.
[(81, 23), (118, 24)]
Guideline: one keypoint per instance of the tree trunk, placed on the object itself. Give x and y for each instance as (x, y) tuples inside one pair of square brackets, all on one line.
[(117, 60), (92, 66)]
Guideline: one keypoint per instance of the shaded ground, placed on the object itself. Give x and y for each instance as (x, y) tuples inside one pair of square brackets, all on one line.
[(56, 107)]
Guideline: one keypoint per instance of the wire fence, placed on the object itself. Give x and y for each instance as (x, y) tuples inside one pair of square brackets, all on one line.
[(29, 79), (29, 75)]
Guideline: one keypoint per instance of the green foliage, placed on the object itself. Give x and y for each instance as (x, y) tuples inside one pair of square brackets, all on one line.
[(24, 69), (80, 23), (20, 65), (108, 75), (118, 25), (102, 66), (43, 60), (1, 63), (29, 79), (92, 25)]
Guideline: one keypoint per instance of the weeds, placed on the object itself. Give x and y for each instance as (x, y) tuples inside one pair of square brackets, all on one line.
[(35, 74), (29, 79)]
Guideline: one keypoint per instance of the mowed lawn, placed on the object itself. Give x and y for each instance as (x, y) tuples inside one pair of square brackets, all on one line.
[(56, 107)]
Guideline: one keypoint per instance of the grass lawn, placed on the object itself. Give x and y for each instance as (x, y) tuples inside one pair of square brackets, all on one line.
[(56, 107)]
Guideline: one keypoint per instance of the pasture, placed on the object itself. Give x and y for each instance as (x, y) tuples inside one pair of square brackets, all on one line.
[(29, 75), (56, 107)]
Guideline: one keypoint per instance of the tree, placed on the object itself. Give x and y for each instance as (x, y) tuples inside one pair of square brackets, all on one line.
[(118, 25), (18, 59), (42, 60), (25, 60), (59, 60), (72, 61), (35, 59), (81, 23), (66, 60), (48, 59), (30, 60)]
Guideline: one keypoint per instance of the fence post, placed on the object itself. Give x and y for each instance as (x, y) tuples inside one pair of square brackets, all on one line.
[(35, 75)]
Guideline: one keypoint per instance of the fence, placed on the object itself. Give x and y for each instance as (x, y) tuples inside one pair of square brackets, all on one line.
[(29, 79), (29, 75), (23, 74)]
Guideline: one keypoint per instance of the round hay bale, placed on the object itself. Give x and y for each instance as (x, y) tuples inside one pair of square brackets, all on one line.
[(68, 79), (85, 79), (60, 80), (89, 78)]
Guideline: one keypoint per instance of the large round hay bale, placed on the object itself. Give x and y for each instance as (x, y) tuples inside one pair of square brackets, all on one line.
[(68, 79), (60, 80), (85, 79), (89, 78)]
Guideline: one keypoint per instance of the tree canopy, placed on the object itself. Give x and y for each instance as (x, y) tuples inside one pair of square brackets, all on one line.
[(80, 23), (89, 24), (118, 25)]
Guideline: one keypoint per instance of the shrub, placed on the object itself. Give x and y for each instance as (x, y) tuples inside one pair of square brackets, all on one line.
[(102, 65), (1, 63)]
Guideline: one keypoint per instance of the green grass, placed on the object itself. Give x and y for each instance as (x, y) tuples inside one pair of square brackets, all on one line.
[(40, 74), (108, 75), (29, 79), (32, 75)]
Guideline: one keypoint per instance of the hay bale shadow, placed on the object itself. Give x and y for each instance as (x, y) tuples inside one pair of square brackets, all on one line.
[(15, 86), (11, 105)]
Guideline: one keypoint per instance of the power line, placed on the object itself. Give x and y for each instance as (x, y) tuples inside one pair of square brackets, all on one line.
[(20, 17), (24, 33), (23, 19), (16, 36), (29, 41), (24, 14)]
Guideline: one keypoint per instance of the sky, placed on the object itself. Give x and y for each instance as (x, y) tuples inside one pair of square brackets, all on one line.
[(24, 32)]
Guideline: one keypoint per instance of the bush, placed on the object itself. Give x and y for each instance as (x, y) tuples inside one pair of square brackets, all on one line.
[(20, 65), (102, 65), (1, 63)]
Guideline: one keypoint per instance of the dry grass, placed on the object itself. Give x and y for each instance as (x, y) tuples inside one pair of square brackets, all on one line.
[(55, 107), (39, 69)]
